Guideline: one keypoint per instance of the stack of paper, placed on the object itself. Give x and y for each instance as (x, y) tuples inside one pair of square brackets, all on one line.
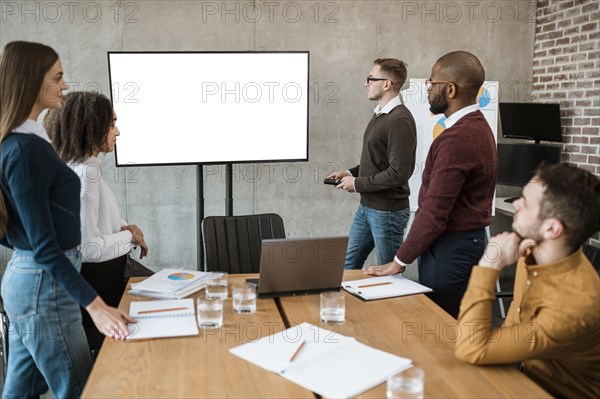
[(384, 287), (329, 364), (171, 284), (160, 319)]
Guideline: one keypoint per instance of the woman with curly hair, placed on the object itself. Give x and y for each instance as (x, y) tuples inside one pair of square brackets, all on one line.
[(80, 130), (42, 289)]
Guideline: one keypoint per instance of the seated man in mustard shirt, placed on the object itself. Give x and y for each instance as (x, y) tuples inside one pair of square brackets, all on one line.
[(553, 324)]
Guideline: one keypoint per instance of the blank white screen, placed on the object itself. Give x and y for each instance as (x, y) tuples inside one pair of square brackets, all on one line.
[(186, 108)]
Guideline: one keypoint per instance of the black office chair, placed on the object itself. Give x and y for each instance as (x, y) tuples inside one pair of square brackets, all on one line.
[(593, 254), (232, 243)]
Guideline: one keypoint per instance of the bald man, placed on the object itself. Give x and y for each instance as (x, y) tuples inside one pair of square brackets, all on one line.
[(455, 200)]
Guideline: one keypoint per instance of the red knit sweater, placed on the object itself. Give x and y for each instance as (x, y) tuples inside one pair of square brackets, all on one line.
[(457, 185)]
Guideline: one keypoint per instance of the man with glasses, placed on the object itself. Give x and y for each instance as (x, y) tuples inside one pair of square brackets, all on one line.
[(386, 163), (455, 200)]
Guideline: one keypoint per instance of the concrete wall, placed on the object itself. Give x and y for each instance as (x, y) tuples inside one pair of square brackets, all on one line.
[(343, 37)]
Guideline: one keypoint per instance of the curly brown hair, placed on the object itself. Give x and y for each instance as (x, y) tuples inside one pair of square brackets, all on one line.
[(81, 126)]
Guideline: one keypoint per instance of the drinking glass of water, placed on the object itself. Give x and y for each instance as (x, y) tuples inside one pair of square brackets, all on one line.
[(217, 286), (333, 307), (244, 298), (210, 312), (406, 385)]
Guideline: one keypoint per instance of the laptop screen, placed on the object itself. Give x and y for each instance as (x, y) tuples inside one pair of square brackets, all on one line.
[(301, 265)]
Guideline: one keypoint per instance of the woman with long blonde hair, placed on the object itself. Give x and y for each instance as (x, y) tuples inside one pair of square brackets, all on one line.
[(42, 289)]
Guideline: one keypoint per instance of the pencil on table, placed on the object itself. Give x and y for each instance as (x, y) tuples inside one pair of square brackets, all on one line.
[(373, 285), (160, 310), (297, 351)]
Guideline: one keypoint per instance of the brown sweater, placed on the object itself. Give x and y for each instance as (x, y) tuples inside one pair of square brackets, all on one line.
[(387, 160), (457, 185)]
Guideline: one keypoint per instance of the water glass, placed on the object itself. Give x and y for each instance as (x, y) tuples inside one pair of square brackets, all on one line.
[(406, 385), (333, 307), (210, 312), (244, 298), (216, 287)]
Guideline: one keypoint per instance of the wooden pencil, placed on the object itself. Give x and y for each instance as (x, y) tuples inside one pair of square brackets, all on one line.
[(297, 351), (160, 310), (373, 285)]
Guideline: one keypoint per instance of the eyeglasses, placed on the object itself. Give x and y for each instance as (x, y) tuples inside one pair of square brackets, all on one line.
[(429, 83), (371, 79)]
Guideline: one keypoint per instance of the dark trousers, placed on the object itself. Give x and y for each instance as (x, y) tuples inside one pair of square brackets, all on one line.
[(107, 279), (446, 267)]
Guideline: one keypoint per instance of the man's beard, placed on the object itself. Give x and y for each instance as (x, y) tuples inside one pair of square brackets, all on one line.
[(533, 232), (439, 104)]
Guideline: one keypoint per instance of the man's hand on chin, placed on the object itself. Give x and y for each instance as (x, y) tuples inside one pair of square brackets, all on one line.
[(385, 270), (504, 249)]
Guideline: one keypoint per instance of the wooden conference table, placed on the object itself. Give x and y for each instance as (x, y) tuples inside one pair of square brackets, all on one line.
[(202, 366)]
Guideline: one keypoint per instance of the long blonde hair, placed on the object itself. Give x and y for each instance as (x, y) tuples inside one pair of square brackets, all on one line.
[(23, 66)]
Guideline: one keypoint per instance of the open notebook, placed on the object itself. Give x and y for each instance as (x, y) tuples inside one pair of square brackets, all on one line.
[(384, 287), (161, 319), (329, 364)]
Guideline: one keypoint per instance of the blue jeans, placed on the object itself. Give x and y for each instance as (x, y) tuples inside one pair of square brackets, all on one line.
[(382, 230), (46, 343)]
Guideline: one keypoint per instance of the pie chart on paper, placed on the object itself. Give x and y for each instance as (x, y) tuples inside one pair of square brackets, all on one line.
[(180, 276)]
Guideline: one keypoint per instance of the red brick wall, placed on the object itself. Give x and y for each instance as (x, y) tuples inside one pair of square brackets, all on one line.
[(566, 69)]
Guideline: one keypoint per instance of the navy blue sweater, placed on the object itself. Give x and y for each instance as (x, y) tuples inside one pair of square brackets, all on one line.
[(42, 197)]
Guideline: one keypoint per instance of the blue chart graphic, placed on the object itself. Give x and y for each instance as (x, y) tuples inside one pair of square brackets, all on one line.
[(483, 98), (439, 127), (180, 276)]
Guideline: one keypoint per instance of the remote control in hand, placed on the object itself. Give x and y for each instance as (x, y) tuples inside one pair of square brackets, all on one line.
[(333, 182)]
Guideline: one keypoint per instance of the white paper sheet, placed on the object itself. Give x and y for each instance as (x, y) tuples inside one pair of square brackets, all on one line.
[(330, 364), (178, 323), (274, 352), (171, 280), (396, 285), (347, 370)]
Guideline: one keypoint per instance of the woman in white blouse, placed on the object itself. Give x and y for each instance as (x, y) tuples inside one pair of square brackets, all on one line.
[(82, 129)]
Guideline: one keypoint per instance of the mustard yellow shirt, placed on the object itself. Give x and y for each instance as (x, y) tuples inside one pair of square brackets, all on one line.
[(552, 326)]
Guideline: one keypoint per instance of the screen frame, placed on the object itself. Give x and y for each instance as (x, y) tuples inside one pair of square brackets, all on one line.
[(527, 149), (524, 136), (307, 52)]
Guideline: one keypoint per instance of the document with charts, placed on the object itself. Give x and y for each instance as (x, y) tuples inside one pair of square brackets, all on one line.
[(162, 319), (171, 284), (384, 287), (322, 361)]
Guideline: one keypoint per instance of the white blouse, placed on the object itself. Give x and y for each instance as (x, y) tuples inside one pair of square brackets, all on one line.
[(101, 235)]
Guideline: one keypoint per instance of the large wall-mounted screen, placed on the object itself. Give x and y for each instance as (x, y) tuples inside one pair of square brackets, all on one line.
[(210, 107)]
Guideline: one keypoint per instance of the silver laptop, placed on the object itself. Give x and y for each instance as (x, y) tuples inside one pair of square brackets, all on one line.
[(301, 266)]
